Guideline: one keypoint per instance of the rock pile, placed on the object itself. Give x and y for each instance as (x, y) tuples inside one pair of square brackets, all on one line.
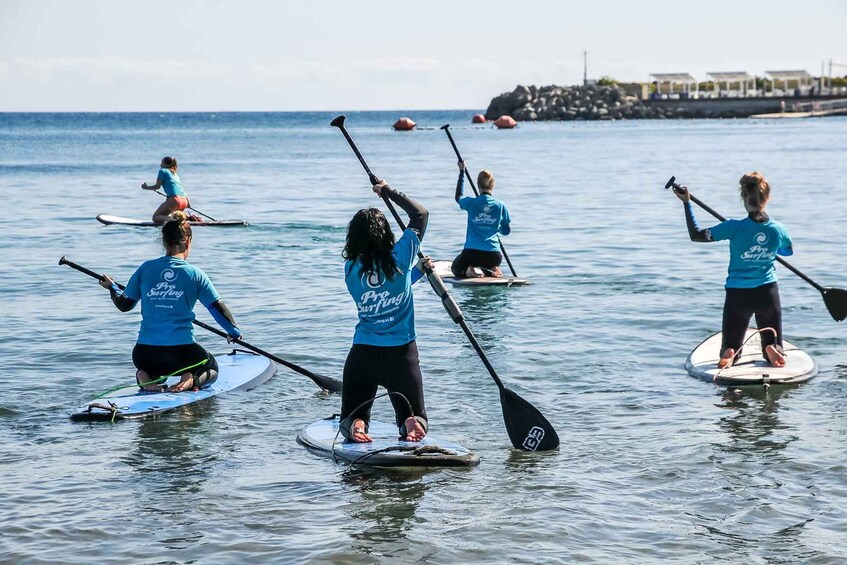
[(591, 102)]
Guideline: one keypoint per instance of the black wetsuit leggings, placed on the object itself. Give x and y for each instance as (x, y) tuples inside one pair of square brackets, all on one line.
[(161, 360), (743, 303), (396, 368), (475, 258)]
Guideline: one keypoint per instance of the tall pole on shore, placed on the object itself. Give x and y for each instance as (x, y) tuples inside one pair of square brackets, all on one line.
[(585, 68)]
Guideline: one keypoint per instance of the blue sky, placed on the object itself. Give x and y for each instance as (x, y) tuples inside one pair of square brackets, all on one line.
[(216, 55)]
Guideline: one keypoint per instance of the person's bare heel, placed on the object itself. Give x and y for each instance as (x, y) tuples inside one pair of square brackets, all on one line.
[(357, 432), (414, 429), (727, 359), (775, 357)]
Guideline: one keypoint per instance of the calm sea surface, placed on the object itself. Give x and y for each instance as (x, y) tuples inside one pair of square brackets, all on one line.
[(654, 466)]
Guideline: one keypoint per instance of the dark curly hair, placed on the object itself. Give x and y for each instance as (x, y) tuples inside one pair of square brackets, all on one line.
[(370, 241)]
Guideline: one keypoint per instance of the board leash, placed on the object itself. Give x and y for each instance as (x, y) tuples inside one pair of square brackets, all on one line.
[(355, 410), (740, 349), (155, 381)]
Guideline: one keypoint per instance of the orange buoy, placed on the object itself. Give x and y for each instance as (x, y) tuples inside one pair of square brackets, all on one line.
[(505, 122), (478, 119), (404, 124)]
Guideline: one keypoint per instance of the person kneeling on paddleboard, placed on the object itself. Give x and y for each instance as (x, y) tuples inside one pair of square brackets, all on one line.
[(751, 285), (487, 219), (168, 180), (379, 274), (168, 288)]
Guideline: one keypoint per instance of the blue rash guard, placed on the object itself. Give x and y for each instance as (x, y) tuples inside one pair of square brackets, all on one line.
[(487, 218), (386, 306), (170, 182), (753, 247), (168, 289)]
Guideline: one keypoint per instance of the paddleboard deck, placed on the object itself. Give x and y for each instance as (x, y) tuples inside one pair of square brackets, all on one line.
[(109, 220), (750, 368), (386, 450), (238, 370), (443, 270)]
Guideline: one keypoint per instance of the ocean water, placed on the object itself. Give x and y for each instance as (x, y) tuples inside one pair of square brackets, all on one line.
[(654, 466)]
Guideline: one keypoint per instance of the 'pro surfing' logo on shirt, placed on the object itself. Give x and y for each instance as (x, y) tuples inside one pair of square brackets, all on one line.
[(758, 252), (377, 303), (165, 290), (485, 216)]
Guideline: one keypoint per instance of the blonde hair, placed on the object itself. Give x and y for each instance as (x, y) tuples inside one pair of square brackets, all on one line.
[(755, 191), (485, 181)]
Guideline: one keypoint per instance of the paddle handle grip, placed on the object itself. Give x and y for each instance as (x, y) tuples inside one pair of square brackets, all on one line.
[(65, 261)]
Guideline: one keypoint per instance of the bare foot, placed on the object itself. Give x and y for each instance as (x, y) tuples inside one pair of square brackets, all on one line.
[(775, 358), (497, 272), (186, 382), (414, 429), (473, 273), (358, 432), (142, 378), (727, 359)]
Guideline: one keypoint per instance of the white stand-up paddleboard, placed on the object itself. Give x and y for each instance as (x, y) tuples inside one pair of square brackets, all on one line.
[(386, 450), (109, 220), (750, 368), (443, 270), (237, 371)]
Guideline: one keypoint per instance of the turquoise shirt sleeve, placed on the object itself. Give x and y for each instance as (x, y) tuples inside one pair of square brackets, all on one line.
[(465, 202), (724, 230), (133, 287), (406, 250), (206, 291), (506, 222), (786, 247)]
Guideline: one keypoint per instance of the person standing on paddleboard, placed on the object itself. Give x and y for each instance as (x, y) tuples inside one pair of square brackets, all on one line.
[(168, 288), (379, 275), (487, 219), (751, 285), (168, 180)]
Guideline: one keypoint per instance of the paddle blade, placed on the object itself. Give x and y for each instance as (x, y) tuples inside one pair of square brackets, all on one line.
[(338, 122), (836, 302), (528, 429)]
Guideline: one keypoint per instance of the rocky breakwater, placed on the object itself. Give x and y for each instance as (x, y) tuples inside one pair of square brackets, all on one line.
[(591, 102)]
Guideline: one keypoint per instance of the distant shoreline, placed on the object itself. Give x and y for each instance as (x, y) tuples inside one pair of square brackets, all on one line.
[(617, 102)]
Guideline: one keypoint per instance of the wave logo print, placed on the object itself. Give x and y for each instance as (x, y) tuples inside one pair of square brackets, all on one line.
[(761, 238), (168, 275), (371, 280), (533, 438)]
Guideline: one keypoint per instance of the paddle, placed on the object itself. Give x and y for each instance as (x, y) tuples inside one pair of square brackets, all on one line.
[(189, 207), (835, 299), (528, 429), (446, 128), (326, 383)]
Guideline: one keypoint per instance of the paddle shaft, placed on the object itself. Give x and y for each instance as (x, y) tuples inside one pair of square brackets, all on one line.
[(326, 383), (785, 263), (189, 207), (446, 129)]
